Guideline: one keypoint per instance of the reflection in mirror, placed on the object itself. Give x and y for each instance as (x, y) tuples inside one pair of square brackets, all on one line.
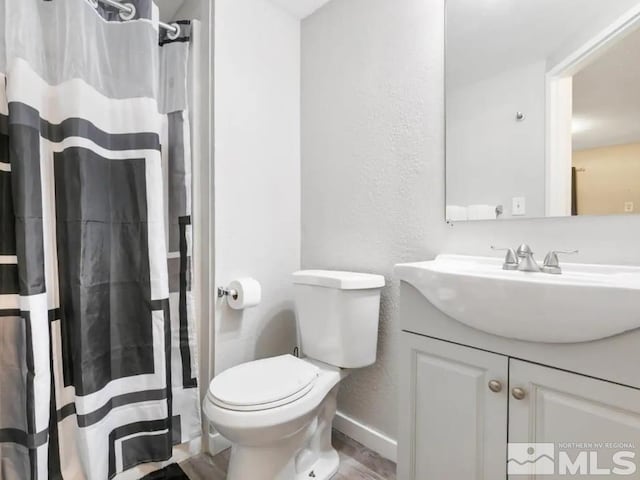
[(543, 108)]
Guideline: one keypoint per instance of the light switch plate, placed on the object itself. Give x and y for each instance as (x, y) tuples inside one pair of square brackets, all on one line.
[(628, 207), (519, 206)]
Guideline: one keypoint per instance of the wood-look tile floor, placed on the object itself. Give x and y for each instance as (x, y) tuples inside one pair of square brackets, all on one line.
[(356, 463)]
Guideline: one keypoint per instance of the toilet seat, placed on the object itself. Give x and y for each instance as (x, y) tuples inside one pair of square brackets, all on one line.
[(263, 384)]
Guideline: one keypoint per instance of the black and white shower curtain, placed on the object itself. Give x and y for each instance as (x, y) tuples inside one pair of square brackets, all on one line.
[(97, 336)]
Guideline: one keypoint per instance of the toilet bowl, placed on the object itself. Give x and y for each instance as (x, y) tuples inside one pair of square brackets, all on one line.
[(278, 412), (287, 438)]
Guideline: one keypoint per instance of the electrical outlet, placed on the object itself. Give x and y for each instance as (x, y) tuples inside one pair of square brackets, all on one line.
[(628, 207), (519, 206)]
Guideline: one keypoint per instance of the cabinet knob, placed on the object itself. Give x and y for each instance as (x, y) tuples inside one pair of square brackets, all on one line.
[(495, 386), (518, 393)]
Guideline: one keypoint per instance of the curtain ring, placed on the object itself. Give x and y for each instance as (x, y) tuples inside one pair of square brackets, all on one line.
[(175, 34), (93, 3), (131, 14)]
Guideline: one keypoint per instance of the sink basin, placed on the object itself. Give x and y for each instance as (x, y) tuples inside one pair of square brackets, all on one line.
[(585, 303)]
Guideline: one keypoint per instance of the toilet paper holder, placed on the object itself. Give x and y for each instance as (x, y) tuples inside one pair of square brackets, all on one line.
[(227, 292), (241, 293)]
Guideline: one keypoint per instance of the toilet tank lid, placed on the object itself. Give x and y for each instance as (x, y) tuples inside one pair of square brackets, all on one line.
[(338, 280)]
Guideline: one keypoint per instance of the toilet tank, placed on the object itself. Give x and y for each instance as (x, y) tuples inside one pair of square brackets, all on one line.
[(337, 315)]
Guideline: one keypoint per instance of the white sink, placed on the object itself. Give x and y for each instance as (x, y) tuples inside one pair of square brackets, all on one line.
[(585, 303)]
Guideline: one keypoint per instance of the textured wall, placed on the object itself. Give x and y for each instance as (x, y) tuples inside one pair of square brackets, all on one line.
[(364, 166), (373, 170), (257, 174)]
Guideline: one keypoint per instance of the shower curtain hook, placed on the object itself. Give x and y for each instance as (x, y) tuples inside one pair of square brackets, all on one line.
[(128, 15), (174, 34), (93, 3)]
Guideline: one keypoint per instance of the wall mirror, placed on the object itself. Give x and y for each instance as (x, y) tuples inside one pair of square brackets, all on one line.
[(543, 108)]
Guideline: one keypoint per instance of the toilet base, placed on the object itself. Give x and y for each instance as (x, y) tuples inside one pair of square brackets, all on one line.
[(306, 455), (324, 468)]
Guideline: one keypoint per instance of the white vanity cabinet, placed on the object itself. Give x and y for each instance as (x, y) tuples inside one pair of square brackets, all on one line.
[(461, 405), (452, 425), (564, 408)]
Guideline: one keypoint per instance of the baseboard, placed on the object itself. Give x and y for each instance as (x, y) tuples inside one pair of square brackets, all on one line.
[(367, 436)]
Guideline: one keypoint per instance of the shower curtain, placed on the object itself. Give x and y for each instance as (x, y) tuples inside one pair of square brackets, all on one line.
[(97, 337)]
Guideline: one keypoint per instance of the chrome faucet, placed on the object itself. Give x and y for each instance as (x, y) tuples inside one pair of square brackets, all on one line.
[(523, 261), (526, 261)]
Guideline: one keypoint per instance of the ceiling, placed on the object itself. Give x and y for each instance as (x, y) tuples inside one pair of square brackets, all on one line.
[(300, 8), (606, 98)]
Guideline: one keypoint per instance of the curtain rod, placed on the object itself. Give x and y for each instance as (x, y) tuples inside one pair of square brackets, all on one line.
[(129, 10)]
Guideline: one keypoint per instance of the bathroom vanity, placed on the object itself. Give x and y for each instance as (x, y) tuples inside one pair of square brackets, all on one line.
[(501, 352), (467, 391)]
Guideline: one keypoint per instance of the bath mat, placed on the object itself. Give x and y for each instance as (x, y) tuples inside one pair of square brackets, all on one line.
[(172, 472)]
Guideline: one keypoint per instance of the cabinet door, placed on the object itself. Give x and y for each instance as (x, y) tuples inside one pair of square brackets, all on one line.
[(587, 420), (452, 425)]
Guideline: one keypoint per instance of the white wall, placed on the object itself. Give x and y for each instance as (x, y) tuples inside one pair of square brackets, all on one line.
[(257, 174), (482, 126), (373, 170), (364, 173)]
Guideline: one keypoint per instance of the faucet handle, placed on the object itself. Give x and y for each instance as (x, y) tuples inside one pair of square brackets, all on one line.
[(552, 263), (524, 250), (510, 260)]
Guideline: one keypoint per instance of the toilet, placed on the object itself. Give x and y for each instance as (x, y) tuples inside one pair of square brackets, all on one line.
[(278, 412)]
